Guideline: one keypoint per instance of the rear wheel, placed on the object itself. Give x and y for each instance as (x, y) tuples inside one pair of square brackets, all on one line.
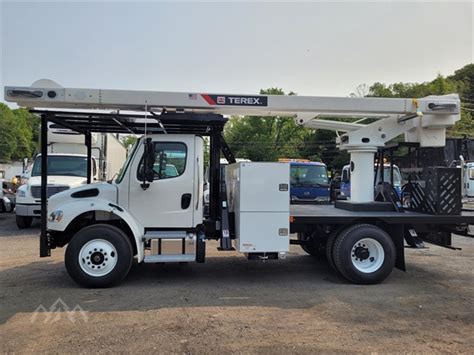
[(23, 221), (99, 256), (364, 254)]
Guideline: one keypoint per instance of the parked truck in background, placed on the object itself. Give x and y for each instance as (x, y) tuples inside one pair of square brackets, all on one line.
[(345, 191), (469, 179), (7, 201), (67, 168), (309, 181)]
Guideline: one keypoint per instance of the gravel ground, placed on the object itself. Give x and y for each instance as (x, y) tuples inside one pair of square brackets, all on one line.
[(229, 304)]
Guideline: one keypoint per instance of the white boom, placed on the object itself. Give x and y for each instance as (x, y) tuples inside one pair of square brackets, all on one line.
[(421, 120)]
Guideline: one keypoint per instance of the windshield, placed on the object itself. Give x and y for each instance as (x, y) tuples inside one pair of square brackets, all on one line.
[(125, 165), (471, 173), (397, 179), (62, 165), (308, 175)]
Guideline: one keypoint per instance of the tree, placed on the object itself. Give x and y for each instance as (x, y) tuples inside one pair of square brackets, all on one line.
[(27, 130), (129, 140), (464, 78), (8, 143), (265, 138), (461, 82), (361, 91), (19, 133)]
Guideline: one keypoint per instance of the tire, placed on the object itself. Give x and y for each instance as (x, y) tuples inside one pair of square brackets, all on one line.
[(364, 254), (311, 247), (23, 221), (106, 256), (329, 248)]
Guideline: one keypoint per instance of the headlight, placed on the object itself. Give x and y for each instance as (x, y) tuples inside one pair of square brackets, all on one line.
[(21, 193), (55, 216), (206, 198)]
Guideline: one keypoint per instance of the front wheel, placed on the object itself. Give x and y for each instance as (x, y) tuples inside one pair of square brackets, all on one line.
[(99, 255), (364, 254)]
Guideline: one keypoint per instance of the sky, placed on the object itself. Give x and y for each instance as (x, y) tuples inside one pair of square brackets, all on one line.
[(324, 49)]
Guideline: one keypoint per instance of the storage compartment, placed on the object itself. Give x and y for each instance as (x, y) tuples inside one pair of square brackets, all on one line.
[(262, 232), (258, 194)]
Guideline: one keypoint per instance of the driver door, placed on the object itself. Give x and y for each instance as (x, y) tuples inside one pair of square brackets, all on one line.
[(169, 200)]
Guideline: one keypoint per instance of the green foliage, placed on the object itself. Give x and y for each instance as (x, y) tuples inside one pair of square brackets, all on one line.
[(462, 82), (129, 141), (464, 78), (8, 143), (265, 138), (19, 133), (320, 145)]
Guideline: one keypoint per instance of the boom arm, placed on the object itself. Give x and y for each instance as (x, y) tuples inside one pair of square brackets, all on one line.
[(421, 120)]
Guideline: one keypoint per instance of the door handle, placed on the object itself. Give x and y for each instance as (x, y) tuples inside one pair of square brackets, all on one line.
[(185, 201)]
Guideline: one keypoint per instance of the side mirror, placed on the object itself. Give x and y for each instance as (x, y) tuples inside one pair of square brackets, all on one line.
[(148, 163)]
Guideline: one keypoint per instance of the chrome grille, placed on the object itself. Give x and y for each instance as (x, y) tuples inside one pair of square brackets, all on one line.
[(52, 190)]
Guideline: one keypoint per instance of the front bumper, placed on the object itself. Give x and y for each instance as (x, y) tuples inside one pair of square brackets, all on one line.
[(319, 199), (33, 209)]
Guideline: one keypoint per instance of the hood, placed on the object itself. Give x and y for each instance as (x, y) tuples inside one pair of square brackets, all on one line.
[(71, 181), (101, 190)]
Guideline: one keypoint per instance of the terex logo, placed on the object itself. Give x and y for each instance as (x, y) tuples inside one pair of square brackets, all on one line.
[(244, 100), (230, 100)]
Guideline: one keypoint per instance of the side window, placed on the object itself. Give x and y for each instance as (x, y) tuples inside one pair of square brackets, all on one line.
[(170, 161)]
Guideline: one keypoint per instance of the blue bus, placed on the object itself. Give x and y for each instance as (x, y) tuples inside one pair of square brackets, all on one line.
[(309, 182)]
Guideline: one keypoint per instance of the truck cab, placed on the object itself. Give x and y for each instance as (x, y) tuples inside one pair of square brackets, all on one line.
[(65, 171), (469, 179), (309, 182), (345, 191)]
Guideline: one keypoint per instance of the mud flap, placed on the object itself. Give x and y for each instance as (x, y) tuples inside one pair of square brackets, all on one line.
[(396, 232)]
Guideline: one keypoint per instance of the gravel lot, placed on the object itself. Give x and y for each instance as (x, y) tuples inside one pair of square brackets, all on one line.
[(229, 304)]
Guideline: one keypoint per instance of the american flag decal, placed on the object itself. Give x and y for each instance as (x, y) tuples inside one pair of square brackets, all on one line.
[(192, 96)]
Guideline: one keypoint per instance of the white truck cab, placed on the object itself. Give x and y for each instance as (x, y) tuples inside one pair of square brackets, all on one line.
[(165, 200), (65, 171), (469, 179)]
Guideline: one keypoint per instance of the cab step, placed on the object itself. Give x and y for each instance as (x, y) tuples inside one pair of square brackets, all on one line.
[(164, 235)]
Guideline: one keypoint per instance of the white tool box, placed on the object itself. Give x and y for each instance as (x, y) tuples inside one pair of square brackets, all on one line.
[(258, 194)]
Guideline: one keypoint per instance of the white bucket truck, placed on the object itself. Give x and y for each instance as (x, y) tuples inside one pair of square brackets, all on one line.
[(154, 213)]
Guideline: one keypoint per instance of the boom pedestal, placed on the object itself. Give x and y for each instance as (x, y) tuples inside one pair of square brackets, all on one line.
[(362, 175)]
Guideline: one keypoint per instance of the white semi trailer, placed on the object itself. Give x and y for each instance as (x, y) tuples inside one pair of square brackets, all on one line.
[(152, 216)]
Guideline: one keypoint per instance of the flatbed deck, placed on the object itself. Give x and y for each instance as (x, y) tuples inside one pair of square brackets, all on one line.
[(328, 214)]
